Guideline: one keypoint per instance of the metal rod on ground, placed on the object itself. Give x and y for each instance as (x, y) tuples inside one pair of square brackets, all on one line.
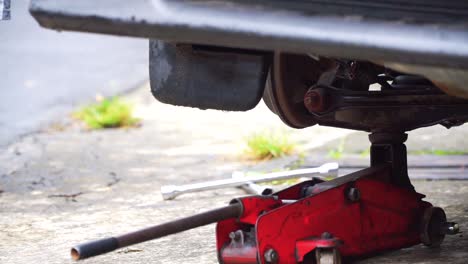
[(171, 191), (251, 187), (106, 245)]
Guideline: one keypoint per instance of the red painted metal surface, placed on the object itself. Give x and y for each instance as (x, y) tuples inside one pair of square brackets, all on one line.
[(254, 206), (384, 218)]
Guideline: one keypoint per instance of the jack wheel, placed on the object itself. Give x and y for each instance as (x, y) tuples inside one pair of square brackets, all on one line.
[(327, 256), (432, 233)]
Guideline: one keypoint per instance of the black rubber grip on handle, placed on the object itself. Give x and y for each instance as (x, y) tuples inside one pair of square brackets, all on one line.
[(94, 248)]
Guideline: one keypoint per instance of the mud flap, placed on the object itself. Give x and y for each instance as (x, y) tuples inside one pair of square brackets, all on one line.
[(207, 77)]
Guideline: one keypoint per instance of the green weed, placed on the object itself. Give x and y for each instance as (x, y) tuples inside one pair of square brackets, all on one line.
[(107, 113), (365, 153), (269, 145), (439, 152), (337, 153)]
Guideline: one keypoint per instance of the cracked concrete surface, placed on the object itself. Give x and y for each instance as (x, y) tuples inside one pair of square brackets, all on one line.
[(65, 186)]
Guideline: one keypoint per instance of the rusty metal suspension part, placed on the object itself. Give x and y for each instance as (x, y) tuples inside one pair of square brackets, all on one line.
[(306, 90), (290, 78)]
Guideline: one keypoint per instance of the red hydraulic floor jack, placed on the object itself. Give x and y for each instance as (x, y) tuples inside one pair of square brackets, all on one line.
[(360, 214)]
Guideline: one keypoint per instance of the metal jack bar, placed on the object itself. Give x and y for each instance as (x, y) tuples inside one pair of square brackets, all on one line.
[(106, 245), (172, 191)]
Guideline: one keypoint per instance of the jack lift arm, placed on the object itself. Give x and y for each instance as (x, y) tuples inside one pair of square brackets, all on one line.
[(357, 215)]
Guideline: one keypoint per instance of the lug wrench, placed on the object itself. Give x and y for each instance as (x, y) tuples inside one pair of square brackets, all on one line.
[(170, 192), (252, 187)]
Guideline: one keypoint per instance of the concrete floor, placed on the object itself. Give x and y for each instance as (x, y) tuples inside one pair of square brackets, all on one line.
[(65, 185)]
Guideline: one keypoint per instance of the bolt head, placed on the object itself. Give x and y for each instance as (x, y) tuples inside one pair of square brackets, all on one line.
[(315, 100), (326, 235), (271, 256), (353, 194)]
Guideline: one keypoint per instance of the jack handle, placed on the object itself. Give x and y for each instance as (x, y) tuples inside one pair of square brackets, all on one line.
[(106, 245)]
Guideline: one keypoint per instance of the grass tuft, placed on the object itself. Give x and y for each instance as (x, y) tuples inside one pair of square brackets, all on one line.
[(439, 152), (338, 152), (365, 153), (268, 145), (107, 113)]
